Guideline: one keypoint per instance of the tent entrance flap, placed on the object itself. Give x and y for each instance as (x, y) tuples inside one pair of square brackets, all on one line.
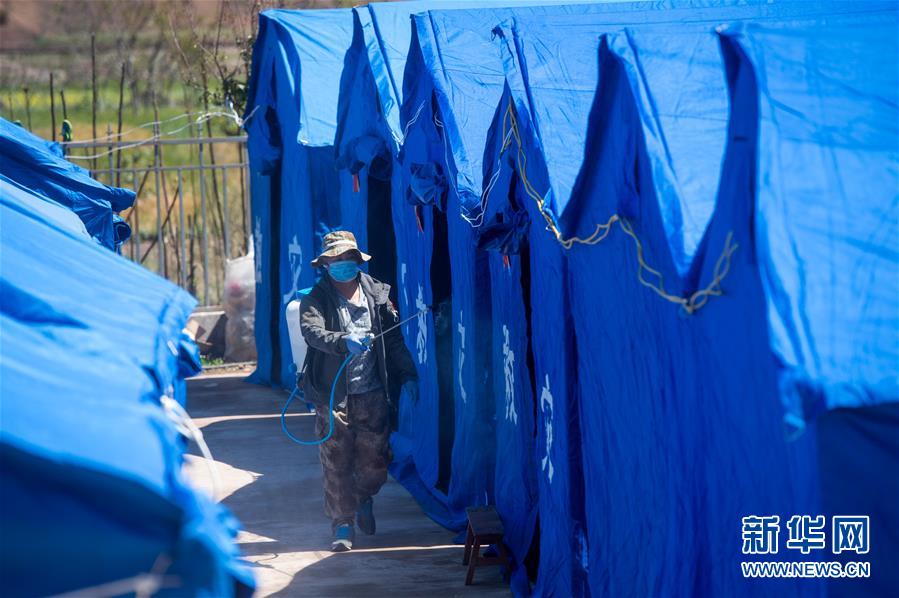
[(441, 288)]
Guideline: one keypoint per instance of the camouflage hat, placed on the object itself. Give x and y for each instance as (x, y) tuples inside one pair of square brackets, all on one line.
[(337, 243)]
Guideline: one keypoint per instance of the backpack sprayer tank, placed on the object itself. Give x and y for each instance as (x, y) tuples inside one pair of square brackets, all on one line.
[(295, 334)]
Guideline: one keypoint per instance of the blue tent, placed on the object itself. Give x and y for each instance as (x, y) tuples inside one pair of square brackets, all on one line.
[(92, 465), (37, 165), (368, 140), (822, 104), (153, 317), (631, 343), (593, 388), (295, 187), (453, 72), (455, 80)]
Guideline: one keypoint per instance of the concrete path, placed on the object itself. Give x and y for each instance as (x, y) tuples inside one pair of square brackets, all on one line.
[(274, 487)]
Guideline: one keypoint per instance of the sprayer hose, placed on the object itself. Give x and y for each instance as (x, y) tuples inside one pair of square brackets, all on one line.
[(330, 410)]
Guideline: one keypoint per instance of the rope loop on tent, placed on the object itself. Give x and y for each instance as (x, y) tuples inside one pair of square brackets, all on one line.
[(655, 281), (401, 139)]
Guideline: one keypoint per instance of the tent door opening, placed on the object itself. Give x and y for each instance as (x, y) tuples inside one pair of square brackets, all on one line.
[(381, 234), (441, 290), (533, 557)]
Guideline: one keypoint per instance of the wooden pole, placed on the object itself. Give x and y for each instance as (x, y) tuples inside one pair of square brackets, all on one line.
[(52, 108), (65, 110), (94, 91), (118, 174), (27, 107), (217, 212)]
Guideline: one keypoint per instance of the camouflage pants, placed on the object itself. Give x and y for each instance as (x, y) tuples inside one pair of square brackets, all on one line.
[(355, 458)]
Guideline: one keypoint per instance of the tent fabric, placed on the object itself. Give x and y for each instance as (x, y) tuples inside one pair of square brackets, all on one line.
[(261, 197), (89, 455), (631, 420), (368, 140), (291, 122), (615, 540), (53, 214), (452, 92), (429, 162), (36, 165), (833, 350), (836, 360), (153, 318), (372, 85), (369, 136)]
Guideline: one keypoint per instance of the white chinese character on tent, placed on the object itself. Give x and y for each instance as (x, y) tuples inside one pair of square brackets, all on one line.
[(421, 341), (461, 330), (546, 405), (257, 249), (403, 278), (806, 533), (295, 258), (760, 534), (509, 374), (851, 534)]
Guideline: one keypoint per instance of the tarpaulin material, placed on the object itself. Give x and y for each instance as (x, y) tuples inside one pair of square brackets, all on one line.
[(262, 198), (439, 54), (825, 104), (89, 457), (454, 80), (291, 120), (624, 392), (828, 108), (369, 136), (38, 166), (47, 265), (39, 207), (677, 391)]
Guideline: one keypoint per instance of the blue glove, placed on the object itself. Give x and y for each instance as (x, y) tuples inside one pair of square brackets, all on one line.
[(411, 388), (357, 344)]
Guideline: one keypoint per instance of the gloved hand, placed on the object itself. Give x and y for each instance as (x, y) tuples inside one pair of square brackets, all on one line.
[(357, 344), (411, 388)]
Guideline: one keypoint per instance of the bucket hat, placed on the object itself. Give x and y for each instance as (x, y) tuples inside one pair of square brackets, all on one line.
[(337, 243)]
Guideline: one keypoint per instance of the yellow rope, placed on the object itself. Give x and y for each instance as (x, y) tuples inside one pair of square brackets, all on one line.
[(689, 304)]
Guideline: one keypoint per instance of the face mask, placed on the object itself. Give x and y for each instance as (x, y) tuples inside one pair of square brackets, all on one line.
[(343, 271)]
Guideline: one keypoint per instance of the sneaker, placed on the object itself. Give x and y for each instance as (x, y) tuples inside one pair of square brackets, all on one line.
[(365, 516), (344, 534)]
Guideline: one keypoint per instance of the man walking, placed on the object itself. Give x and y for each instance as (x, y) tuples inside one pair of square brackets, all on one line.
[(342, 317)]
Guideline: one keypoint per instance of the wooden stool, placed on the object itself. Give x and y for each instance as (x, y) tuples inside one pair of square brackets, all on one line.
[(484, 529)]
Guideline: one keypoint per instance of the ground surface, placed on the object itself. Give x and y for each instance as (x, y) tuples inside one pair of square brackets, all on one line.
[(274, 488)]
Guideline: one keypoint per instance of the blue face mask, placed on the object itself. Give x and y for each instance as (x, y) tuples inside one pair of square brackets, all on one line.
[(343, 271)]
